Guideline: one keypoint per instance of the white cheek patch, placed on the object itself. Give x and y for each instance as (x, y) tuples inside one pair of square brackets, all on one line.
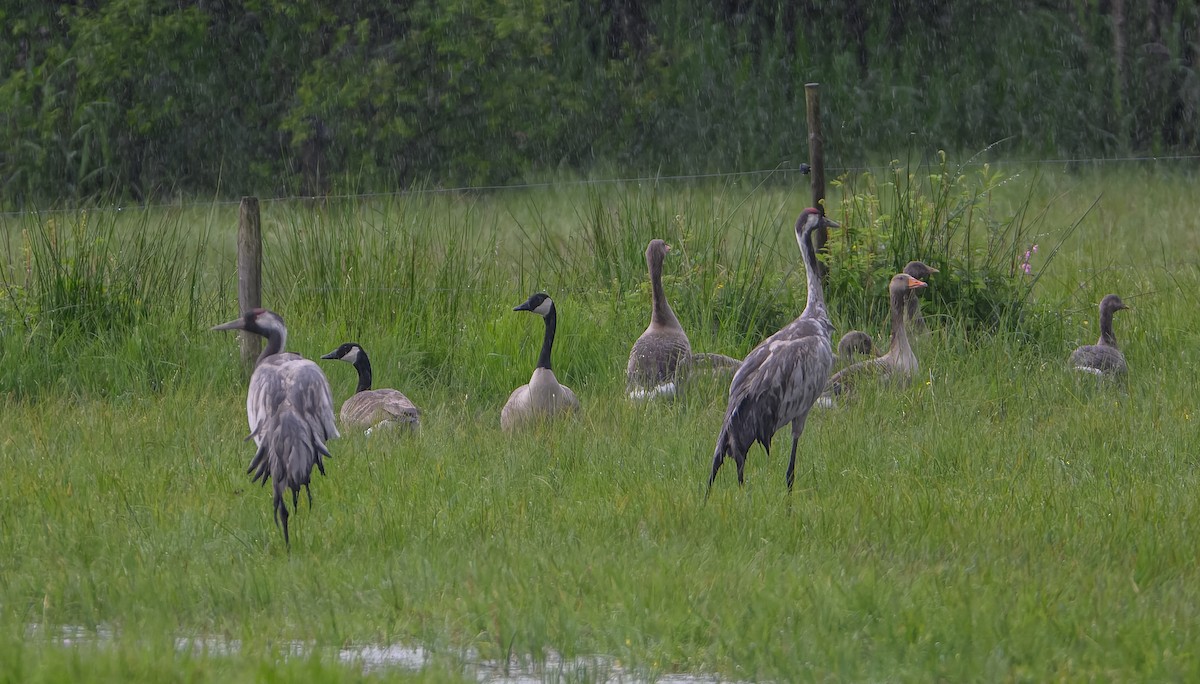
[(352, 356), (543, 309)]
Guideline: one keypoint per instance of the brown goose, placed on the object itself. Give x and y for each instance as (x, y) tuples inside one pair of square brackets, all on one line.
[(290, 410), (663, 347), (543, 397), (372, 409), (781, 377), (662, 357), (854, 344), (899, 361), (912, 306), (859, 342), (1102, 358)]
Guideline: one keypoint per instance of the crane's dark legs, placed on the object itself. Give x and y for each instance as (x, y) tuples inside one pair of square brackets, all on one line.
[(281, 516), (791, 469), (740, 460), (797, 430)]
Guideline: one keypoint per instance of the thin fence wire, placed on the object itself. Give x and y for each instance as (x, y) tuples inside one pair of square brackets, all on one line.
[(783, 168)]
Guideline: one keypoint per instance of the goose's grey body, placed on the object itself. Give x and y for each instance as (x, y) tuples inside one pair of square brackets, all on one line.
[(899, 362), (663, 349), (373, 409), (544, 397), (781, 378), (290, 410), (857, 342), (1102, 358)]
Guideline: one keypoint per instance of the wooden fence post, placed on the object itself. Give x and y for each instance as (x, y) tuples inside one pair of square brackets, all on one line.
[(249, 264), (816, 162)]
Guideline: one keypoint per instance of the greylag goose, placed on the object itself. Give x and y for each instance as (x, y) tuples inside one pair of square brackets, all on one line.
[(1102, 358)]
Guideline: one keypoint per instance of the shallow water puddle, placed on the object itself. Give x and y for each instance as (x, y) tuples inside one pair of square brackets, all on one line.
[(375, 658)]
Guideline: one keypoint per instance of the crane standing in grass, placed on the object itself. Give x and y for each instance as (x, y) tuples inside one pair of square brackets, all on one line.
[(290, 409), (780, 378)]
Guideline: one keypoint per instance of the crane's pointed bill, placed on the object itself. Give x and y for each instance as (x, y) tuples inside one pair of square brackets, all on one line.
[(831, 223), (236, 324)]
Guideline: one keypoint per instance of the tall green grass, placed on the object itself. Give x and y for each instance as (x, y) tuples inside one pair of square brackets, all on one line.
[(999, 518)]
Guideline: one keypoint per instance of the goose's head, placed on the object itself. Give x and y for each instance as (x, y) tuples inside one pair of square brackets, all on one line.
[(810, 219), (903, 282), (1111, 303), (258, 321), (656, 251), (348, 352), (540, 304), (919, 270)]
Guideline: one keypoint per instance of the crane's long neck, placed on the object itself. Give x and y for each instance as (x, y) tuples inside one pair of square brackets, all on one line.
[(814, 305), (661, 312), (899, 340), (548, 340), (363, 365), (276, 338), (1106, 331)]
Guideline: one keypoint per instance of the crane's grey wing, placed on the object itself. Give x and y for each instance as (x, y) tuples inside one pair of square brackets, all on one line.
[(309, 394), (778, 381)]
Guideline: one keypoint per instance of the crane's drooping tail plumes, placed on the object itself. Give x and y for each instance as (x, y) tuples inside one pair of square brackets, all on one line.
[(780, 379), (290, 411)]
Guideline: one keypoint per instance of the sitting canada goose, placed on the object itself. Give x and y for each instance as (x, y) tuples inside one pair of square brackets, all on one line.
[(662, 356), (373, 409), (860, 343), (290, 410), (899, 361), (544, 396), (1102, 358)]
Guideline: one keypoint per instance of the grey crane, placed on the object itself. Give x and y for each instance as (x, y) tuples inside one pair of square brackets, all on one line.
[(543, 397), (373, 409), (780, 379), (899, 361), (290, 410), (1102, 358), (662, 356)]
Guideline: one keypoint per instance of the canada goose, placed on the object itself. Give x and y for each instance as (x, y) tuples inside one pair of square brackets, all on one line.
[(780, 379), (290, 410), (860, 343), (544, 396), (1102, 358), (373, 409), (899, 361), (663, 347)]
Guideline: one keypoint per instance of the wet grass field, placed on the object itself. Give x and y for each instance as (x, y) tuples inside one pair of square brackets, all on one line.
[(1000, 518)]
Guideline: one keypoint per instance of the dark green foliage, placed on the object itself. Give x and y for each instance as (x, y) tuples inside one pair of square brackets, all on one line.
[(147, 98), (942, 215)]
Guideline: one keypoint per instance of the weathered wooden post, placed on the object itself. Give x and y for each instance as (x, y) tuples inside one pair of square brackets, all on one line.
[(249, 264), (816, 161)]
